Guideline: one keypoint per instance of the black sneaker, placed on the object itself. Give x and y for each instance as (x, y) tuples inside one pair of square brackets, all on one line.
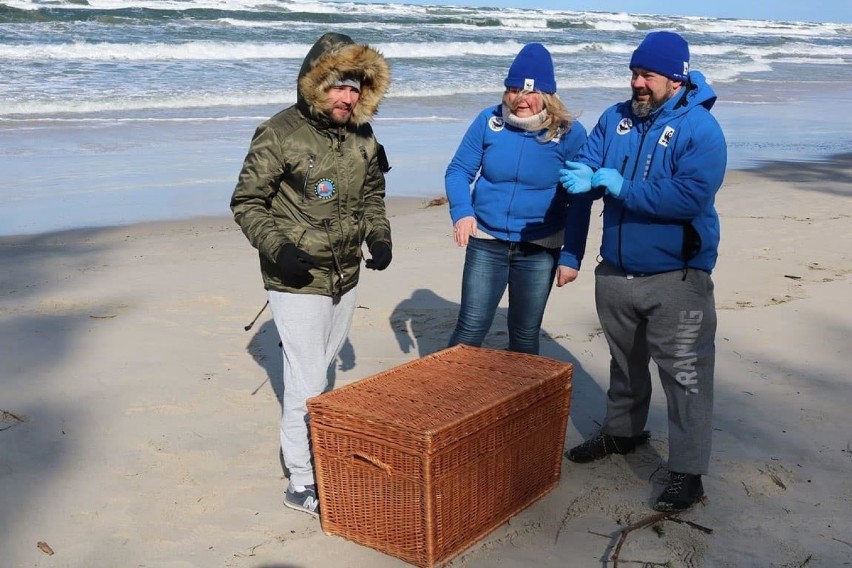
[(305, 501), (683, 491), (603, 445)]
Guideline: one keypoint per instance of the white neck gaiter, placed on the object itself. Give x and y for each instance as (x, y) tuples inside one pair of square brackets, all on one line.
[(530, 123)]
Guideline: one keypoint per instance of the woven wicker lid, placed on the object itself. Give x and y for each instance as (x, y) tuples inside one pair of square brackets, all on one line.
[(434, 400)]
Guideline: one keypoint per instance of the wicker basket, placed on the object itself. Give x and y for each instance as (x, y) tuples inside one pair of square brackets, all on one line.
[(424, 459)]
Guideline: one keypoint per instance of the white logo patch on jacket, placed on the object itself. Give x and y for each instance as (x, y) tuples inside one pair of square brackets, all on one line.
[(666, 136), (495, 123), (625, 126)]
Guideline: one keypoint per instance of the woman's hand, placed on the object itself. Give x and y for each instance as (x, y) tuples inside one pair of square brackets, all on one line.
[(565, 274), (463, 230)]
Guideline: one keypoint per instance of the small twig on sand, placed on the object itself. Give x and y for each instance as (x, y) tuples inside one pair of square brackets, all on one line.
[(649, 520), (251, 551), (693, 525), (6, 416), (437, 202), (842, 541), (254, 392), (564, 519), (807, 561), (776, 480)]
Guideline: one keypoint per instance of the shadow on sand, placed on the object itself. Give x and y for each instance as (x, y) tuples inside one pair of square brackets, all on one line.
[(422, 325)]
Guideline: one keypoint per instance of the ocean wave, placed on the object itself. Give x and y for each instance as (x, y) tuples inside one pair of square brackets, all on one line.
[(213, 50), (35, 122), (102, 56), (339, 12), (723, 73), (281, 98), (187, 51), (90, 106)]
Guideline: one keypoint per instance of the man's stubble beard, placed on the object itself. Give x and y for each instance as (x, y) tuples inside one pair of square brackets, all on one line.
[(338, 121)]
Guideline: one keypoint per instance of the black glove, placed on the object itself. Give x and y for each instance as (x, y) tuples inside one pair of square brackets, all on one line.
[(381, 253), (293, 261)]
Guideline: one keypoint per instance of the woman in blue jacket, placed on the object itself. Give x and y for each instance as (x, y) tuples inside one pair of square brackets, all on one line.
[(519, 228)]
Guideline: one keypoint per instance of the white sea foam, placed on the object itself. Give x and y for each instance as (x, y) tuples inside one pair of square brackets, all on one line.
[(725, 73), (40, 122), (530, 24), (197, 50), (613, 26), (211, 50), (64, 107), (615, 20)]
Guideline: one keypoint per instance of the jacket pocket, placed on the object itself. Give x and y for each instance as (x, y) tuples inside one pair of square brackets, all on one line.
[(311, 161), (691, 245)]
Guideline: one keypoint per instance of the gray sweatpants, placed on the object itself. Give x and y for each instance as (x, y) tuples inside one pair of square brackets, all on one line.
[(313, 329), (671, 320)]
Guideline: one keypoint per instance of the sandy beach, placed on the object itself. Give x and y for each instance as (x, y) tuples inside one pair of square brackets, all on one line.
[(138, 419)]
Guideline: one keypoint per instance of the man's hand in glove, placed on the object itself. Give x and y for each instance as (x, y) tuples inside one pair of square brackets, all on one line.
[(609, 179), (381, 253), (294, 262)]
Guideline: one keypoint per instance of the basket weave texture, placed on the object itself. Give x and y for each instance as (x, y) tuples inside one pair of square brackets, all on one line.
[(424, 459)]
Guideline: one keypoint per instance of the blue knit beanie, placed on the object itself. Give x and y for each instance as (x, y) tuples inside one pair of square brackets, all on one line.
[(665, 53), (532, 70)]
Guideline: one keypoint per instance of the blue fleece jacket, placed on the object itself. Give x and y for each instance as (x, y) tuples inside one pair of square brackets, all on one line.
[(517, 195), (673, 163)]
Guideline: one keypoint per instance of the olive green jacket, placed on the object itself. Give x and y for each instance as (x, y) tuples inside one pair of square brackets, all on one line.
[(315, 184)]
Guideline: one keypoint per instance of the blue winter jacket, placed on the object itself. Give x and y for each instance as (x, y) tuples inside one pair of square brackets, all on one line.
[(517, 195), (673, 163)]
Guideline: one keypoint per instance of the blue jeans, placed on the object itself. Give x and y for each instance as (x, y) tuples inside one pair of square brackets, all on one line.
[(491, 265)]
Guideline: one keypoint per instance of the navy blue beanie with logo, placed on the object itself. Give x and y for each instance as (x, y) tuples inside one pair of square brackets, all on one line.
[(532, 70), (665, 53)]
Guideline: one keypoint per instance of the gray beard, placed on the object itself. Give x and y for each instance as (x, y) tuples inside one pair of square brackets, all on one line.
[(642, 110)]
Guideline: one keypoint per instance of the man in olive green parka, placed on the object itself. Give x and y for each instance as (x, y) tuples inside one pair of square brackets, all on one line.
[(310, 194)]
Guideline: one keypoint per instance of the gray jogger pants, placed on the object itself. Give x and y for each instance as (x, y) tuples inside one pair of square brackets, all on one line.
[(671, 319), (313, 329)]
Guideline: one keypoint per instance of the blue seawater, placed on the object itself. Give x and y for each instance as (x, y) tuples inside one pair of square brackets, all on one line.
[(121, 111)]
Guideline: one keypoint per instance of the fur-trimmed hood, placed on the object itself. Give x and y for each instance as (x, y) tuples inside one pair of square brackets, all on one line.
[(333, 57)]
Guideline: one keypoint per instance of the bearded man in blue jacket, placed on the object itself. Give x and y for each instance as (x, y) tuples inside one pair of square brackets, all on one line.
[(657, 161)]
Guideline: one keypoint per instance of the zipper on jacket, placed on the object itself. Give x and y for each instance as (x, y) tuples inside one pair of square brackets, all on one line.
[(298, 242), (623, 209), (515, 185), (647, 124), (338, 269), (339, 137), (311, 159)]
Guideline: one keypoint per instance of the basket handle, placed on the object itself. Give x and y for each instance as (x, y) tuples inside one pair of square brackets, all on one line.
[(374, 461)]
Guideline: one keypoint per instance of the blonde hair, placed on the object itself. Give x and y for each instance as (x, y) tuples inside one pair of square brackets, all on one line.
[(558, 120)]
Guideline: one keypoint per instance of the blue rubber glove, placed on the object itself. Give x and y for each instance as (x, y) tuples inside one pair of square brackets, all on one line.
[(576, 177), (609, 179)]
